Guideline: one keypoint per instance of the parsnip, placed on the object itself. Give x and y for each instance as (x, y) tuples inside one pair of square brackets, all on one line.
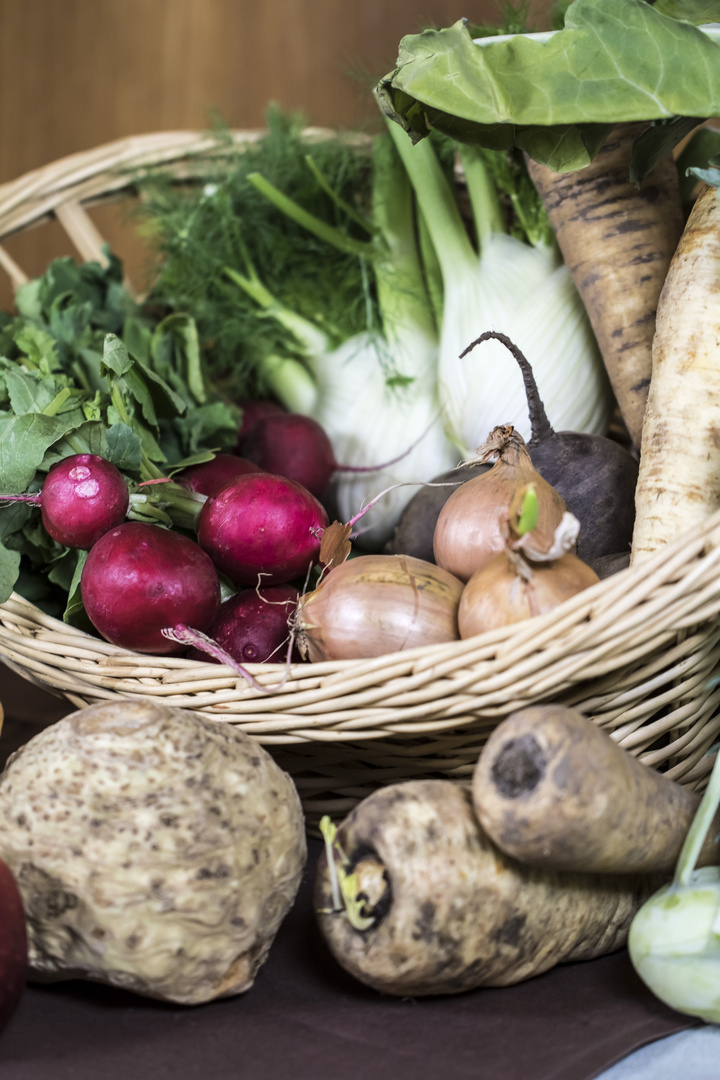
[(553, 790), (679, 478), (426, 904), (617, 238)]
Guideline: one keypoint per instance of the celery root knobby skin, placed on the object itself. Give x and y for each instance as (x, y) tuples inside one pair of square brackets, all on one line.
[(617, 238), (679, 477)]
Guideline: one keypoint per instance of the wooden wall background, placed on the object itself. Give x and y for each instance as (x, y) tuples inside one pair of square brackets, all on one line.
[(78, 73)]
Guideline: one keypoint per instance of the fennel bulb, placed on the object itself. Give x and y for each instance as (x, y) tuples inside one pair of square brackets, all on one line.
[(674, 939), (520, 289), (376, 393), (372, 416)]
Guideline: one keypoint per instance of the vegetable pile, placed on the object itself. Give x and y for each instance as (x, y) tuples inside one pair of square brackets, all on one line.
[(343, 335), (554, 852), (386, 391)]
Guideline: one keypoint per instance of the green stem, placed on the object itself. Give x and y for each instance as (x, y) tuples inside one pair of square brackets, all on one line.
[(402, 293), (311, 340), (432, 273), (57, 402), (346, 208), (170, 500), (438, 205), (291, 382), (484, 198), (698, 830), (306, 220), (148, 470)]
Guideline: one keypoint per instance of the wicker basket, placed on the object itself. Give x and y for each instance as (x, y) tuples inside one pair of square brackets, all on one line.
[(637, 652)]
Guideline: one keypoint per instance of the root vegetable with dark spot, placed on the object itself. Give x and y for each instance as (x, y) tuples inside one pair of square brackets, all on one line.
[(420, 901), (617, 237), (553, 790)]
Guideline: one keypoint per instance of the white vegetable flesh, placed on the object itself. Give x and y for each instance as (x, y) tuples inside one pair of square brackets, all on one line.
[(679, 478), (515, 288)]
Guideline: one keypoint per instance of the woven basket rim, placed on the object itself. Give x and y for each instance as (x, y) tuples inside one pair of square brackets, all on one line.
[(648, 602)]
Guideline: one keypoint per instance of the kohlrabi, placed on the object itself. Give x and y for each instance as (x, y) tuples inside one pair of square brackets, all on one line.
[(674, 939)]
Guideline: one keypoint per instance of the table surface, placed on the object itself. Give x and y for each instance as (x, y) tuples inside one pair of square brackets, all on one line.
[(306, 1017)]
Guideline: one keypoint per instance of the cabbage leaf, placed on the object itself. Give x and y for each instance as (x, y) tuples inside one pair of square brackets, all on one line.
[(556, 96)]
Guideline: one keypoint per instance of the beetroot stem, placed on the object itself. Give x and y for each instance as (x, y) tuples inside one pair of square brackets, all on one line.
[(541, 427)]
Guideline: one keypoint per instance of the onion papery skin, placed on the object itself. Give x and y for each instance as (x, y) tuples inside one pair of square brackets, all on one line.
[(377, 604), (497, 595), (471, 527)]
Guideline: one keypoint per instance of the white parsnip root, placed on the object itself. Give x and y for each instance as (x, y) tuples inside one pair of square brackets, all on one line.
[(679, 479)]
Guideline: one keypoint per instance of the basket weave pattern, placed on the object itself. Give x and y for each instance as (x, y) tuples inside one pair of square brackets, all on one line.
[(637, 652)]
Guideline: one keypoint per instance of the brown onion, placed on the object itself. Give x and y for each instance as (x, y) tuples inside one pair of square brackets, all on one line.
[(471, 527), (508, 589), (375, 604)]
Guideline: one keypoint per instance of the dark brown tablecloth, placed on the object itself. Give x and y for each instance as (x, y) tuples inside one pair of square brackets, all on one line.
[(305, 1018)]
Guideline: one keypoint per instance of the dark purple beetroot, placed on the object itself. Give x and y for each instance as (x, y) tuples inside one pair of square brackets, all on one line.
[(252, 625), (292, 445), (210, 475), (596, 476), (140, 579), (262, 529)]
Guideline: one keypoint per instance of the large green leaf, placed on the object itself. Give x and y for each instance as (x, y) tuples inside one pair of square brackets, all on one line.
[(23, 442), (553, 95), (9, 569)]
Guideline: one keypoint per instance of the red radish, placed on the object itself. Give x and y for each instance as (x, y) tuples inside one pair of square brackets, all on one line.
[(297, 446), (252, 411), (13, 944), (140, 579), (253, 625), (262, 528), (83, 496), (210, 475), (292, 445)]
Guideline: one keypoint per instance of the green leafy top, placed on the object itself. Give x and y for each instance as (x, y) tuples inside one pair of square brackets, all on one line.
[(83, 370), (556, 95), (231, 223)]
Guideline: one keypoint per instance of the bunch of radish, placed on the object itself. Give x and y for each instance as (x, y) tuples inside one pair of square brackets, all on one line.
[(155, 589), (235, 590)]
